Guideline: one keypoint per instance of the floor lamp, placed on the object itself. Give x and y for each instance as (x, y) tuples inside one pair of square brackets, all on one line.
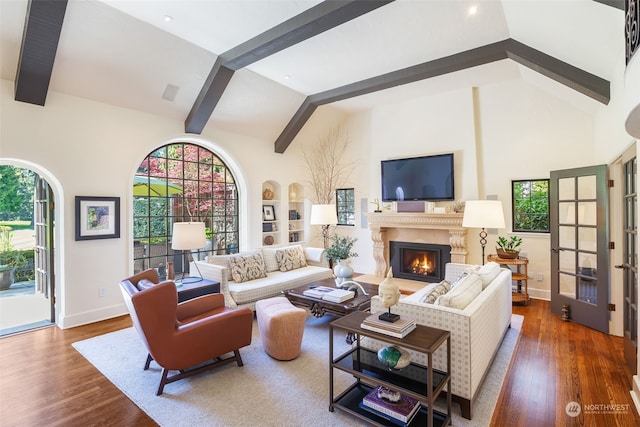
[(324, 215), (187, 236), (483, 214)]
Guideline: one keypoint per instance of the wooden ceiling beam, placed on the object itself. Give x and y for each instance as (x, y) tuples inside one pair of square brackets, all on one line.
[(316, 20), (41, 34), (573, 77)]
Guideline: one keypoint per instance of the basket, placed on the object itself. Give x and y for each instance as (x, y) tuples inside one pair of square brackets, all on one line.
[(507, 255)]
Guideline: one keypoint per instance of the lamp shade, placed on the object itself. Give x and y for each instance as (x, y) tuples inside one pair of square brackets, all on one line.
[(188, 235), (483, 214), (323, 215)]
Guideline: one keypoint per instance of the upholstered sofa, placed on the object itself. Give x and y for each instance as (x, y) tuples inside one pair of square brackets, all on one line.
[(477, 326), (250, 276)]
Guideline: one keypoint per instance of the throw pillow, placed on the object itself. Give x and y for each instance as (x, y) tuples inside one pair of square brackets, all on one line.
[(145, 284), (245, 268), (488, 272), (270, 261), (291, 258), (441, 289), (463, 293)]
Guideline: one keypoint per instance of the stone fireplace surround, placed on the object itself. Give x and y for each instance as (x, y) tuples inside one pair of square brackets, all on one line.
[(435, 228)]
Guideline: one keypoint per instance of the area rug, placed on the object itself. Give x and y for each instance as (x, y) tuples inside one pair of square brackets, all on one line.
[(264, 391)]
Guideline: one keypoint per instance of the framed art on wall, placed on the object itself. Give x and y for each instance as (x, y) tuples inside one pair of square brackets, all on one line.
[(97, 217)]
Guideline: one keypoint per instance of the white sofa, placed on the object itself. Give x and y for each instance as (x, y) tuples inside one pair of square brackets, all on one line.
[(246, 293), (476, 330)]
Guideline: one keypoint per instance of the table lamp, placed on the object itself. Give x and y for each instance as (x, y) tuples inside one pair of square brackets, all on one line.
[(483, 214), (324, 215), (188, 236)]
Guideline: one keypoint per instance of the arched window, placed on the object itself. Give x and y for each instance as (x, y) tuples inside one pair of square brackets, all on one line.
[(181, 183)]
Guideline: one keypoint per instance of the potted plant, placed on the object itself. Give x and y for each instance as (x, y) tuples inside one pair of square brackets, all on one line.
[(340, 250), (508, 248), (10, 259)]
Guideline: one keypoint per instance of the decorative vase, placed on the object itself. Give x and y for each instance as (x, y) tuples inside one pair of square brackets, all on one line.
[(394, 357), (342, 271)]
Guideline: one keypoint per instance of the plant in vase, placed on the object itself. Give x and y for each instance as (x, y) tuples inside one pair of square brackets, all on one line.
[(508, 248), (339, 252)]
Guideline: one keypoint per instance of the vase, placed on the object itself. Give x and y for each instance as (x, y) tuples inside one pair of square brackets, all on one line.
[(342, 271)]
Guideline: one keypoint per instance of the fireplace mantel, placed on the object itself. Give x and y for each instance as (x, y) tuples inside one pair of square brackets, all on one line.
[(442, 228)]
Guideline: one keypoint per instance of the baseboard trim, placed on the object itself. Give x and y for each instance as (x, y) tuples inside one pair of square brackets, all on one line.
[(104, 313)]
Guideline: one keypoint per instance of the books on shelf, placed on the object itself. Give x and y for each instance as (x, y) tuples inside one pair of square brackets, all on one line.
[(399, 329), (400, 412), (329, 294)]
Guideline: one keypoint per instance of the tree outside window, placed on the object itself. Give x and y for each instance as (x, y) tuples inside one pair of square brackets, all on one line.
[(345, 205), (530, 205)]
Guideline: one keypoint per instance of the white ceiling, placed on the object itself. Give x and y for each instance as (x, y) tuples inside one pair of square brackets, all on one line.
[(122, 52)]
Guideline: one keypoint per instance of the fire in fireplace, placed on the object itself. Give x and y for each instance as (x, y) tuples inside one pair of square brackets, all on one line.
[(419, 261)]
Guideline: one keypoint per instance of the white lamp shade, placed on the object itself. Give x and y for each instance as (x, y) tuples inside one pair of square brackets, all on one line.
[(188, 235), (483, 214), (323, 215)]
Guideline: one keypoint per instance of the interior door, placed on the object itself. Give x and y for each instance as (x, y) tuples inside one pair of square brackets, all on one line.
[(579, 222), (630, 259), (43, 230)]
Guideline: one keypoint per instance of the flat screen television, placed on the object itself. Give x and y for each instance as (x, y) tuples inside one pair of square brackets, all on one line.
[(418, 178)]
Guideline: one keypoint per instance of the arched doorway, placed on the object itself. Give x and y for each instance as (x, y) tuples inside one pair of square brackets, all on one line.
[(27, 290)]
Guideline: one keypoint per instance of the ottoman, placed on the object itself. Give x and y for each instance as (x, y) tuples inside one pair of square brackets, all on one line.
[(281, 327)]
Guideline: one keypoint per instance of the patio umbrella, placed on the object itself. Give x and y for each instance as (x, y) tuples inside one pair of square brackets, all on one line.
[(149, 186)]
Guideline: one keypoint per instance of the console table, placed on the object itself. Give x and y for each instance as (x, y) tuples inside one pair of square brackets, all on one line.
[(520, 275)]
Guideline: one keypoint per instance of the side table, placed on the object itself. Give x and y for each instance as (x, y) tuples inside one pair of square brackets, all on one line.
[(520, 275), (196, 289)]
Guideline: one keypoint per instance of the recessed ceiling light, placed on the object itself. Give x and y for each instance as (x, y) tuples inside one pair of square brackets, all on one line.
[(472, 10), (287, 77), (168, 18)]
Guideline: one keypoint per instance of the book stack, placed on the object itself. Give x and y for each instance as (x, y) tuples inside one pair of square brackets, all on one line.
[(400, 412), (329, 294), (398, 329)]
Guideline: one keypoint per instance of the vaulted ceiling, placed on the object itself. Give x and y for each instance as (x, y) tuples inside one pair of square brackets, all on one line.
[(261, 68)]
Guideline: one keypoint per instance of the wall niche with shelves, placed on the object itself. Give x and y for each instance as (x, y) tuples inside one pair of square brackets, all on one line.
[(271, 218), (296, 213)]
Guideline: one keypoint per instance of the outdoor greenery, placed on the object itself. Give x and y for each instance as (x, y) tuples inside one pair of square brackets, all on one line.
[(9, 257), (16, 193), (531, 205), (340, 248)]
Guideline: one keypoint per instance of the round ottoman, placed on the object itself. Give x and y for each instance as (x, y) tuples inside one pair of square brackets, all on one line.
[(281, 327)]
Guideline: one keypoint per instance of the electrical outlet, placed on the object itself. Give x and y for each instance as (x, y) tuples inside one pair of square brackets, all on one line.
[(539, 277), (530, 275), (102, 292)]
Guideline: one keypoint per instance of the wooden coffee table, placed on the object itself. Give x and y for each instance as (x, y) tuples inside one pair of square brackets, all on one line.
[(320, 307)]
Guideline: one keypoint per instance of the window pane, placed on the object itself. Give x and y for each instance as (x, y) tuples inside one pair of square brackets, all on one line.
[(530, 205), (345, 205)]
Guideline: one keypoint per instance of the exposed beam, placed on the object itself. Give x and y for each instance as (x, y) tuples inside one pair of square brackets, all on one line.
[(316, 20), (573, 77), (618, 4), (41, 34)]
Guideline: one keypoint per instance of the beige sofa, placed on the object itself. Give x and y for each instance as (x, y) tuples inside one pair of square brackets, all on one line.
[(302, 265), (476, 330)]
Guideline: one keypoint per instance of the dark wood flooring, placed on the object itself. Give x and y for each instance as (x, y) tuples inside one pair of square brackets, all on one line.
[(44, 381)]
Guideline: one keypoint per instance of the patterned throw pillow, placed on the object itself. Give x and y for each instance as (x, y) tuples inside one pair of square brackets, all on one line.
[(291, 258), (244, 268), (441, 289)]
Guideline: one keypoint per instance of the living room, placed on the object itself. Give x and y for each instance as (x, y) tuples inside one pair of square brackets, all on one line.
[(511, 124)]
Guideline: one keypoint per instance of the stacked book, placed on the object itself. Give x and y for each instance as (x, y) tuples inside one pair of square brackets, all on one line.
[(399, 329), (329, 294), (399, 412)]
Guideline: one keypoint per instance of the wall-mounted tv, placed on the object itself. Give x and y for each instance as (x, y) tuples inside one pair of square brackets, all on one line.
[(418, 178)]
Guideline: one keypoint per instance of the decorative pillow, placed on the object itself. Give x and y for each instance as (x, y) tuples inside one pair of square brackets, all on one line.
[(441, 289), (145, 284), (467, 271), (488, 272), (291, 258), (244, 268), (463, 293)]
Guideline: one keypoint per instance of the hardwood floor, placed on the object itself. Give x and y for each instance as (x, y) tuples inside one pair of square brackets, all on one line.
[(44, 381)]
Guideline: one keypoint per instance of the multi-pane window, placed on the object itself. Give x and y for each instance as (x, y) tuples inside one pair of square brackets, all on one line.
[(530, 205), (179, 183), (345, 204)]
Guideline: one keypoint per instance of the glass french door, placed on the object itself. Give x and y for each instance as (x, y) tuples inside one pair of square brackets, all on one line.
[(43, 230), (579, 225)]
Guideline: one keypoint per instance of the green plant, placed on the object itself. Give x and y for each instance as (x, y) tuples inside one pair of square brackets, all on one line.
[(340, 248), (9, 258), (509, 245)]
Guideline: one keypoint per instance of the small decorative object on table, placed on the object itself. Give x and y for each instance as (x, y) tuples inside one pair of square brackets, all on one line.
[(376, 202), (394, 357), (339, 252), (508, 249), (396, 407), (268, 240), (389, 292)]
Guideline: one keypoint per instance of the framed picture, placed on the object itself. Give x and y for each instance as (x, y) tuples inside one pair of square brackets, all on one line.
[(268, 213), (97, 217)]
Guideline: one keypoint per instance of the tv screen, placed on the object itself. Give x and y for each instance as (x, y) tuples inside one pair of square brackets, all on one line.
[(418, 178)]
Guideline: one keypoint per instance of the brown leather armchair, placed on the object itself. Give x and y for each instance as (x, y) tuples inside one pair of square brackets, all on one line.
[(181, 336)]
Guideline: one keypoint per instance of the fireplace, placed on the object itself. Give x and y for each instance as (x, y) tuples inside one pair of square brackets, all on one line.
[(419, 261)]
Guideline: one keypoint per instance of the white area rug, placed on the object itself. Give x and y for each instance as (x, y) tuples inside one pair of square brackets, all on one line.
[(264, 391)]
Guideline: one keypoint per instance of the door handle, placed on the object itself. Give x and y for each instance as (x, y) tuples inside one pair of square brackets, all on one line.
[(619, 266), (555, 250)]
